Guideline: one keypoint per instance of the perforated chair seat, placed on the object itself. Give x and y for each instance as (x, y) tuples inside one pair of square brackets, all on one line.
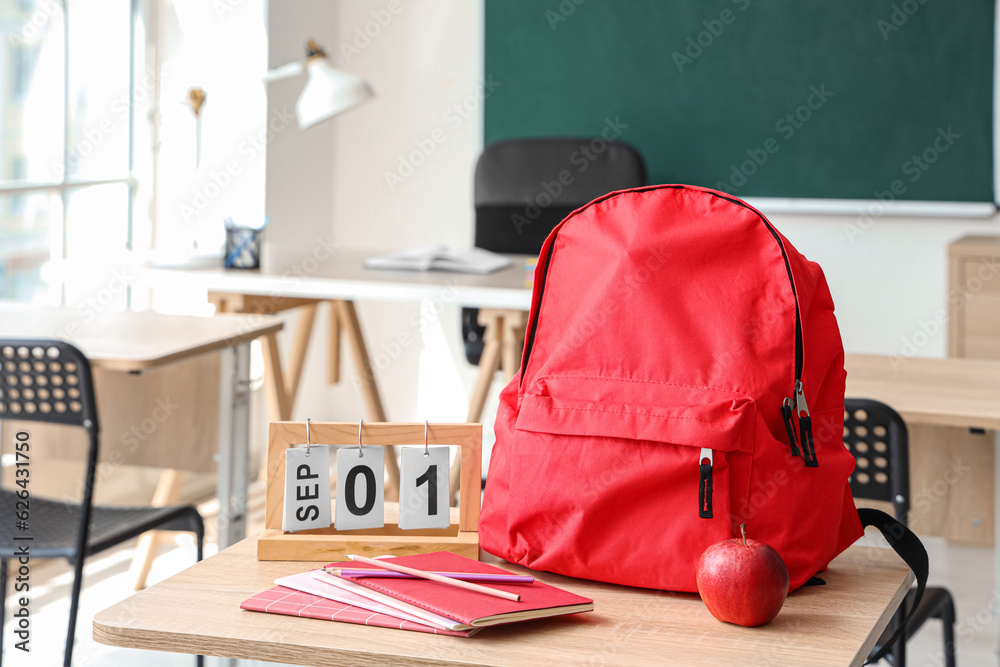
[(53, 525), (877, 437), (49, 381)]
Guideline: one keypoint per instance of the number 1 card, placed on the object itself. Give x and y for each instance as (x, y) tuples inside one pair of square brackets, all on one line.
[(424, 488)]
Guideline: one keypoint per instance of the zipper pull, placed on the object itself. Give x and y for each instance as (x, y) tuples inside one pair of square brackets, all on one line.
[(805, 427), (705, 484), (787, 412)]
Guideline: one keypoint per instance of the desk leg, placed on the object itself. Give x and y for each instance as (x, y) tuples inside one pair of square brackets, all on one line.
[(303, 332), (348, 320), (333, 360), (234, 452), (489, 364), (996, 529), (278, 406), (168, 491)]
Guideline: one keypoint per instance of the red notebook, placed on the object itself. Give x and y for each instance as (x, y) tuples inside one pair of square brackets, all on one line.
[(281, 600), (538, 600)]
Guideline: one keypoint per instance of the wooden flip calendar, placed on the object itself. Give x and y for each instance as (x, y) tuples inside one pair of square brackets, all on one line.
[(329, 544)]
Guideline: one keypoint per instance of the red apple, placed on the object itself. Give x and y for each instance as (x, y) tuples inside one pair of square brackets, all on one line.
[(742, 581)]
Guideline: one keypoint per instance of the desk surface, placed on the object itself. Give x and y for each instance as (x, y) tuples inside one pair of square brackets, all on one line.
[(319, 273), (198, 611), (942, 392), (133, 341)]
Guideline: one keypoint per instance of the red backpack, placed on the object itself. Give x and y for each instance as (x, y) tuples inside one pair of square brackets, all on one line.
[(682, 374)]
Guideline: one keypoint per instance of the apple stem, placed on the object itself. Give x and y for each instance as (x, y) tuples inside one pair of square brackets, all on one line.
[(743, 532)]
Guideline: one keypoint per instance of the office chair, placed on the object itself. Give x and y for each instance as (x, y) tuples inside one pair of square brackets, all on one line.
[(525, 187), (50, 381), (877, 437)]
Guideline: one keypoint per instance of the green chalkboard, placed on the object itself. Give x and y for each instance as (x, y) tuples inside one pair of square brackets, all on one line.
[(836, 99)]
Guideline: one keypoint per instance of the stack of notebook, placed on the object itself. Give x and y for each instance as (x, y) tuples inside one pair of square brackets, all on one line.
[(411, 603)]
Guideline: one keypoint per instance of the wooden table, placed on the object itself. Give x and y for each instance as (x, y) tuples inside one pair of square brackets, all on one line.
[(198, 611), (951, 468), (134, 356), (941, 399), (939, 392), (304, 280)]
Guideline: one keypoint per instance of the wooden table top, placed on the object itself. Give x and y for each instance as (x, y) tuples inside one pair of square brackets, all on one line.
[(942, 392), (133, 341), (197, 611), (339, 273)]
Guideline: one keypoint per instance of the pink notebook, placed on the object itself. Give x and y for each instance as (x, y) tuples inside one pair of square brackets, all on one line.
[(538, 600), (281, 600)]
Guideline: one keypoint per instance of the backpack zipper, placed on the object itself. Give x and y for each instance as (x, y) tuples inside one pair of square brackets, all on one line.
[(705, 483), (534, 324), (805, 427), (801, 409)]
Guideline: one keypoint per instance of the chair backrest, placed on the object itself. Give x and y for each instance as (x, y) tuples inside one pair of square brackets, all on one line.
[(877, 437), (46, 381), (525, 187)]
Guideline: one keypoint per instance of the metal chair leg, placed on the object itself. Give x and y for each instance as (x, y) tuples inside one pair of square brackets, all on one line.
[(200, 539), (3, 602), (74, 606), (948, 630), (898, 652), (199, 533)]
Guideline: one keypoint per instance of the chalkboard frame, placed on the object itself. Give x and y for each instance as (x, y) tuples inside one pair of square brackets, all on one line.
[(984, 204)]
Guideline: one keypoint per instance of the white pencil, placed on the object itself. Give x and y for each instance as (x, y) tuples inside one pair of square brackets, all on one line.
[(389, 565)]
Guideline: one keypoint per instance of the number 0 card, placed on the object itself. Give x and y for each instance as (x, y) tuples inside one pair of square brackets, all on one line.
[(423, 488), (360, 488)]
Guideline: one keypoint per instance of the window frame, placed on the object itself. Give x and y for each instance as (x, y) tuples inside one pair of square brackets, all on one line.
[(138, 10)]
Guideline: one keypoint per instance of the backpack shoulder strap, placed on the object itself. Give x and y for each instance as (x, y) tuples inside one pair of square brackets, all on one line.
[(909, 548)]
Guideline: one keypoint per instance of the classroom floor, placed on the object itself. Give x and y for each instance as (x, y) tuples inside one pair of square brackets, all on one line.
[(965, 570)]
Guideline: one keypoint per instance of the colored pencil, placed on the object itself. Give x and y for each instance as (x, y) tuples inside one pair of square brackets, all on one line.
[(455, 583), (461, 576)]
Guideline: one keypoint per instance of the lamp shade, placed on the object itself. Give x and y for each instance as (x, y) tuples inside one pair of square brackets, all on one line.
[(329, 92)]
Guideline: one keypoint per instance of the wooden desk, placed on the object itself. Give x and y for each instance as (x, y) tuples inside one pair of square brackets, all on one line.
[(198, 611), (955, 470), (304, 280), (951, 468), (126, 347), (938, 392)]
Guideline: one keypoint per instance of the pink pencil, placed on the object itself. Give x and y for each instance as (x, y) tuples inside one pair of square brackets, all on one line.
[(455, 583), (461, 576)]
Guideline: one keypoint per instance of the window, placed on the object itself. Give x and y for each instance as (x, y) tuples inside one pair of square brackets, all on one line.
[(17, 170), (22, 62), (71, 169)]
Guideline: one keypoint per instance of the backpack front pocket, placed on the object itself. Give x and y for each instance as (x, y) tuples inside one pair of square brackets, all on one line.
[(606, 471)]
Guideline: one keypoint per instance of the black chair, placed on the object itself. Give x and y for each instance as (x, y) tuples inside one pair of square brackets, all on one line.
[(877, 437), (50, 381), (525, 187)]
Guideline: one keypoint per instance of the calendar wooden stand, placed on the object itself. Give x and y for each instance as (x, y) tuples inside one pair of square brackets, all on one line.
[(329, 544)]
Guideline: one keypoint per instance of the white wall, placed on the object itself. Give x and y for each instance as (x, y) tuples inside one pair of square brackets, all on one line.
[(427, 58), (889, 282), (421, 57)]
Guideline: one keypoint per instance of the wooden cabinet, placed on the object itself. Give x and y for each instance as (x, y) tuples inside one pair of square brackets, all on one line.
[(974, 297), (961, 511)]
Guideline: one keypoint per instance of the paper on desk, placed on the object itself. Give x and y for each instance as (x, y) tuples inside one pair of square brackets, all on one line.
[(440, 257), (307, 583)]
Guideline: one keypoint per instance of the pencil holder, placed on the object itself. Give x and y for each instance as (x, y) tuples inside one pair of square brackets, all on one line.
[(242, 248)]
